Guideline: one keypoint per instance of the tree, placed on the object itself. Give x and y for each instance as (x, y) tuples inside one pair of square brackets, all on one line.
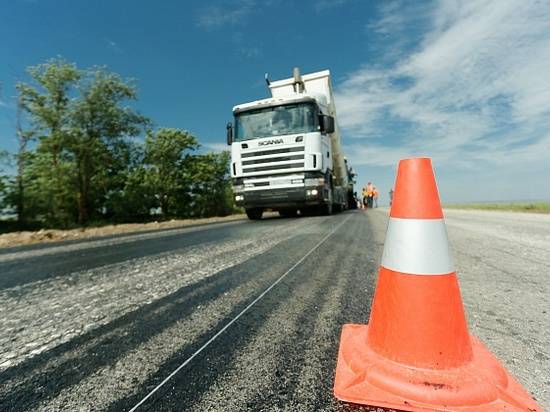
[(78, 160), (47, 103), (168, 164), (131, 198), (99, 128), (23, 137), (82, 127), (212, 192)]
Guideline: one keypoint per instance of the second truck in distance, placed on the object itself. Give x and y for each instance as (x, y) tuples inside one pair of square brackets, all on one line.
[(286, 153)]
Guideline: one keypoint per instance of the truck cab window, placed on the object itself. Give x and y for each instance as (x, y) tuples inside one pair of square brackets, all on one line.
[(276, 121)]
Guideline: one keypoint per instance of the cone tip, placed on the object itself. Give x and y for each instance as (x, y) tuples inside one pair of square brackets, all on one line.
[(416, 195)]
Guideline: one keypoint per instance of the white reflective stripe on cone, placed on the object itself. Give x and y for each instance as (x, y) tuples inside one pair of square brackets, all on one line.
[(418, 247)]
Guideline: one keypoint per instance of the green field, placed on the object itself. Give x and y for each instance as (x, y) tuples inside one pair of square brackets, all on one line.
[(531, 207)]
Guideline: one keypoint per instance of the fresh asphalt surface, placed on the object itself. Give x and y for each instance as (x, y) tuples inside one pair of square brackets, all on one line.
[(99, 324)]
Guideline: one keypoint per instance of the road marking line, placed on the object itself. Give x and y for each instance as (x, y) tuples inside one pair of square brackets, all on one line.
[(213, 338)]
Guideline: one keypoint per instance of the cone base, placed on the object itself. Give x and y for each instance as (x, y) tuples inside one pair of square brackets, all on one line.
[(364, 377)]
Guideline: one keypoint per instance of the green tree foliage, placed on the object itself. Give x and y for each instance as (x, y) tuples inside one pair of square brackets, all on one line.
[(82, 130), (79, 160), (99, 128), (168, 162), (211, 189), (47, 102)]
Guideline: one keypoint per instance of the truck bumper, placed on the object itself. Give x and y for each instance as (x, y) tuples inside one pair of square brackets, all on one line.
[(283, 198)]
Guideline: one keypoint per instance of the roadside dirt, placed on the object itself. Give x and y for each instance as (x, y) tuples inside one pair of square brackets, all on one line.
[(54, 235)]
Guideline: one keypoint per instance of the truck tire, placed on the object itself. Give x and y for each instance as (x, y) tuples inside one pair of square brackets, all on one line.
[(288, 212), (325, 209), (309, 211), (254, 214)]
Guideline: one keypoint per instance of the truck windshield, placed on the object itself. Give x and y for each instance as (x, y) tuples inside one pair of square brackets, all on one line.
[(276, 121)]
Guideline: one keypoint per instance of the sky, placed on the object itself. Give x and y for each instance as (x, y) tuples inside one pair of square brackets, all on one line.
[(466, 83)]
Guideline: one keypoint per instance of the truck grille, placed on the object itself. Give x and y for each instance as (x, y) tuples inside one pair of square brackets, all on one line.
[(274, 159), (274, 151), (260, 161), (269, 168)]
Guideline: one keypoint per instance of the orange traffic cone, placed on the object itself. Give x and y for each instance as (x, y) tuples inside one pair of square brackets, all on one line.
[(416, 353)]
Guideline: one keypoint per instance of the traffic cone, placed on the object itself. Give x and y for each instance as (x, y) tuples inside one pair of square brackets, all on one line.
[(416, 353)]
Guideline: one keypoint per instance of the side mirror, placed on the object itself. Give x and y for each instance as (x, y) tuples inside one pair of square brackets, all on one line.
[(327, 124), (229, 129)]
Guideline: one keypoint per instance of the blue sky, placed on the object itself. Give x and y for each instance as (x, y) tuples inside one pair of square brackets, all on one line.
[(464, 82)]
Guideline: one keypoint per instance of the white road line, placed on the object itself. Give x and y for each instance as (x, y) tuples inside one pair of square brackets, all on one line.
[(213, 338)]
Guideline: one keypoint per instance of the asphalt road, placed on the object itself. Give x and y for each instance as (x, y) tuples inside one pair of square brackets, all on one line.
[(243, 315)]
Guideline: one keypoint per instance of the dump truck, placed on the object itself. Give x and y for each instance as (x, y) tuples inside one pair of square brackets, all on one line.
[(286, 153)]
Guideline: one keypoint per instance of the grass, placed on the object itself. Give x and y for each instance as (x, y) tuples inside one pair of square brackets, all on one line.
[(530, 207)]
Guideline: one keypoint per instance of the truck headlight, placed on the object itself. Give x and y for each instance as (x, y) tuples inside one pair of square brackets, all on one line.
[(239, 198), (312, 192)]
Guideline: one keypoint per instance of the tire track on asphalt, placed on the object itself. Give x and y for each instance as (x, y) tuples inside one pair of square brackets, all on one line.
[(229, 337), (284, 322), (93, 348), (260, 364), (183, 333), (309, 366), (54, 371), (88, 296)]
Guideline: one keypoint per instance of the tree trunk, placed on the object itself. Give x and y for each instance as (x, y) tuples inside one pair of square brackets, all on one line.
[(21, 220), (164, 205), (83, 192)]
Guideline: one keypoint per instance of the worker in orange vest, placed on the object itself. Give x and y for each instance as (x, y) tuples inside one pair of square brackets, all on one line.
[(365, 197), (370, 193)]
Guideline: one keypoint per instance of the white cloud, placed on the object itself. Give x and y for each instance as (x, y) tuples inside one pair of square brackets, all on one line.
[(473, 93), (216, 17)]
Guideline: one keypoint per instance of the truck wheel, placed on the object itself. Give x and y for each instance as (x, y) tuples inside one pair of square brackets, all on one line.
[(337, 208), (326, 209), (288, 212), (254, 214)]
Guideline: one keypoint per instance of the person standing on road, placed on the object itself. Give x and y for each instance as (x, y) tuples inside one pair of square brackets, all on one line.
[(365, 198), (375, 196), (370, 193), (391, 196)]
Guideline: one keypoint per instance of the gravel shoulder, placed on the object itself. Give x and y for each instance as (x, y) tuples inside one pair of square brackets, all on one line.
[(503, 264), (502, 261)]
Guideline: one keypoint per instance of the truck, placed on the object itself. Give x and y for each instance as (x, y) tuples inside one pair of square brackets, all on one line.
[(286, 153)]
